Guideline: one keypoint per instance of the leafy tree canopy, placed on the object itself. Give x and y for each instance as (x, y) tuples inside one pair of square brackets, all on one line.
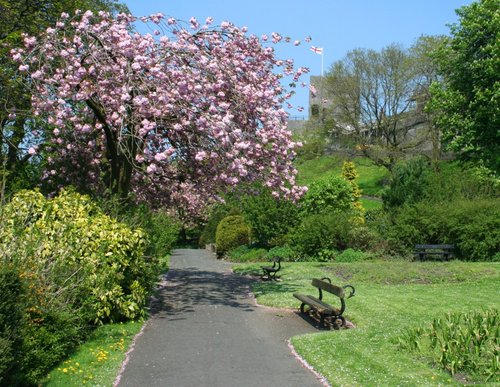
[(466, 104)]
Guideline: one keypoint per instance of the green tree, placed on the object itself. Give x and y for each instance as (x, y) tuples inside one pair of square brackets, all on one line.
[(30, 17), (466, 104)]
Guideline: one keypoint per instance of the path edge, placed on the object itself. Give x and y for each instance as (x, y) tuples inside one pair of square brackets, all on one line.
[(162, 279), (127, 354), (306, 365)]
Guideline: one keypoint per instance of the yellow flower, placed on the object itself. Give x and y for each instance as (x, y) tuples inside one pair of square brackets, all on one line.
[(65, 370)]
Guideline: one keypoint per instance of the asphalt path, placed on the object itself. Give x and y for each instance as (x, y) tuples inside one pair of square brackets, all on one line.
[(206, 330)]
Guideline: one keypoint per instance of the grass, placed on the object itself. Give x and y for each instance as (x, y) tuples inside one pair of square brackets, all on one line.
[(97, 361), (370, 204), (370, 177), (390, 298)]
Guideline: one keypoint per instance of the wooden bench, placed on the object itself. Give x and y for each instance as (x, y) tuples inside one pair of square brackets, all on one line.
[(444, 252), (318, 308), (269, 272)]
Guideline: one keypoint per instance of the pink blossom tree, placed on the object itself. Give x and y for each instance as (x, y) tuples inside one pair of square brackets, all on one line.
[(172, 116)]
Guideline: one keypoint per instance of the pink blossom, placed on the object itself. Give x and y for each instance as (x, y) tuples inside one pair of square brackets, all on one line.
[(192, 111), (37, 74), (201, 156), (151, 168)]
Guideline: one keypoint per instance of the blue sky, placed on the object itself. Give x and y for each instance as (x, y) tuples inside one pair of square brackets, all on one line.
[(338, 26)]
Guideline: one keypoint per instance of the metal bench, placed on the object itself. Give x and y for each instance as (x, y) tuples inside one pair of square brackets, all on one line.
[(327, 314), (269, 272), (443, 252)]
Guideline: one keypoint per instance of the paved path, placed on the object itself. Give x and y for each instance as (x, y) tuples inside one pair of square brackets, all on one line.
[(207, 331)]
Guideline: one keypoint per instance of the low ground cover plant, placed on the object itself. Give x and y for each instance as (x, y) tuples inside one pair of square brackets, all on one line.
[(97, 361), (466, 343)]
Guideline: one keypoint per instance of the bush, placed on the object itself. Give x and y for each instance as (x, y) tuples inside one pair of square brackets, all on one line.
[(232, 232), (68, 240), (321, 232), (332, 194), (80, 267), (162, 230), (269, 218), (247, 254), (11, 323), (350, 255), (407, 184), (286, 253), (472, 226), (49, 336), (217, 213), (363, 238), (413, 181)]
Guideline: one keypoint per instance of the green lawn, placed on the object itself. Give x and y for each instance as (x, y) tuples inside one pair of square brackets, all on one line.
[(370, 204), (390, 297), (370, 177)]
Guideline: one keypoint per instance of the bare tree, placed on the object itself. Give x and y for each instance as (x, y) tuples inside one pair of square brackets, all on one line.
[(375, 102)]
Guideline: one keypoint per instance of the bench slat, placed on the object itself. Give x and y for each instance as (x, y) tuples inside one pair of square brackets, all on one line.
[(445, 247), (316, 304), (337, 290)]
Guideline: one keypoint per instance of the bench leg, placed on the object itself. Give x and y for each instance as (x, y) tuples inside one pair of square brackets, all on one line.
[(338, 322)]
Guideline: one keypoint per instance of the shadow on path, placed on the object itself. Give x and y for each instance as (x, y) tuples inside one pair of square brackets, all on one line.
[(186, 289)]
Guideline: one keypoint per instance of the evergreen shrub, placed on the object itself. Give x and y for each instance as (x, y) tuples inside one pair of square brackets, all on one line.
[(11, 323), (232, 231), (319, 232), (78, 266), (269, 218), (472, 226)]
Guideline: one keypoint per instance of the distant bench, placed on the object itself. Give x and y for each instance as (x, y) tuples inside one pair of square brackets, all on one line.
[(326, 313), (443, 252), (269, 272)]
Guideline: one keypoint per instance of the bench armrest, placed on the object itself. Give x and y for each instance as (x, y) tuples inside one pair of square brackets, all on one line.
[(352, 292)]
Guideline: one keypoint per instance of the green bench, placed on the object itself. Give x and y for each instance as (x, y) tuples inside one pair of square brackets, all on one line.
[(316, 307), (443, 252)]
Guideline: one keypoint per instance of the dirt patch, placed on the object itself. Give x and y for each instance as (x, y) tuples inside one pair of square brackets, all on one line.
[(340, 272)]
